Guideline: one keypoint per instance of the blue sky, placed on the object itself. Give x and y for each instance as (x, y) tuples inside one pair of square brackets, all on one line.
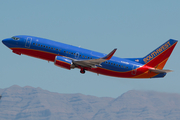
[(134, 27)]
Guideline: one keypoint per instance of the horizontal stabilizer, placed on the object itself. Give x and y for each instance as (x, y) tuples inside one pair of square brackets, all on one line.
[(160, 71)]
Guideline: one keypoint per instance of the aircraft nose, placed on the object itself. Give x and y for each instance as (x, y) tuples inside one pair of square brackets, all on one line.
[(5, 41)]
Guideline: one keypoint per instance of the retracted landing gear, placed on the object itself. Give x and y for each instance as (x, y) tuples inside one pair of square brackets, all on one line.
[(82, 71)]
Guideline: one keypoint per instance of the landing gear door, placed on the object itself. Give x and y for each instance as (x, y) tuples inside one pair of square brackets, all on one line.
[(28, 42)]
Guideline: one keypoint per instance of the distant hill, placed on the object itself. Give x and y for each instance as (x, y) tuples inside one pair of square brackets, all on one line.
[(28, 103)]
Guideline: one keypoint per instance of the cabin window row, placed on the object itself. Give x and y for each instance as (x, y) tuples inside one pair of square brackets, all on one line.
[(116, 65), (60, 50), (77, 55), (47, 47)]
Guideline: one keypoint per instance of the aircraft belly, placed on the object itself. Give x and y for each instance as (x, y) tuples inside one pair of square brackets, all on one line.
[(141, 73), (36, 53)]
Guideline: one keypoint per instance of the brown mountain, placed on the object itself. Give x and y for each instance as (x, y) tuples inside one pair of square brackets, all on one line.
[(28, 103)]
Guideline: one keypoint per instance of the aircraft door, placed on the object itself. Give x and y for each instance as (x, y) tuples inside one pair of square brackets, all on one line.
[(77, 55), (28, 42)]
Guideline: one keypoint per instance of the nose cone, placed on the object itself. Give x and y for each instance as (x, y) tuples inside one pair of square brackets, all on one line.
[(5, 41), (8, 42)]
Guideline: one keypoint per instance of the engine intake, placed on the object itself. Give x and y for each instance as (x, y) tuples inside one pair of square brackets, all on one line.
[(63, 62)]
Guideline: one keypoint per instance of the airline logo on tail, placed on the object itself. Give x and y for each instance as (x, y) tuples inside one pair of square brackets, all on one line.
[(157, 52)]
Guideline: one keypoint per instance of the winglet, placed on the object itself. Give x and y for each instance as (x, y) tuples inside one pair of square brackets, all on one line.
[(108, 57)]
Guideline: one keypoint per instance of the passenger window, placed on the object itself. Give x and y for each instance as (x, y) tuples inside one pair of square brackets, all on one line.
[(41, 45), (38, 44), (46, 46), (33, 43)]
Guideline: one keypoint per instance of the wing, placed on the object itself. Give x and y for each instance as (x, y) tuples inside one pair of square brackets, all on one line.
[(93, 63)]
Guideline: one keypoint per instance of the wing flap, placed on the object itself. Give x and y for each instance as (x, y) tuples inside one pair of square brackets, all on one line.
[(94, 62)]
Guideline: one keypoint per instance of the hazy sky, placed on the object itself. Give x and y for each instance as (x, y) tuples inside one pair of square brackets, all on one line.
[(135, 27)]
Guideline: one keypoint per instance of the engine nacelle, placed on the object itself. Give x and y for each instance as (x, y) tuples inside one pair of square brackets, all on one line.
[(63, 62)]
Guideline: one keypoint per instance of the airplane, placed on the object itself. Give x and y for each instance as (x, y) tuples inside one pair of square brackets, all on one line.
[(70, 57)]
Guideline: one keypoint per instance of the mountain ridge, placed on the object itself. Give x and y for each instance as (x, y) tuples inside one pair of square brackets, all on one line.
[(19, 103)]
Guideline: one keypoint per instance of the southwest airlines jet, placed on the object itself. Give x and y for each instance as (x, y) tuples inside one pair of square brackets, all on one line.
[(69, 57)]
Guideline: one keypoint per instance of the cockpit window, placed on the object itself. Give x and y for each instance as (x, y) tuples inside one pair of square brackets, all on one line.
[(15, 38)]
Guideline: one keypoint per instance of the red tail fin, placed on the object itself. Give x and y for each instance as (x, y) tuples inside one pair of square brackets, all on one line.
[(159, 57)]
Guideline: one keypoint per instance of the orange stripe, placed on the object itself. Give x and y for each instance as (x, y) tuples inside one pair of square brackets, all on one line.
[(162, 64)]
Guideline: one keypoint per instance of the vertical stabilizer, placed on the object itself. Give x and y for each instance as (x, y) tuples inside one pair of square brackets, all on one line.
[(159, 56)]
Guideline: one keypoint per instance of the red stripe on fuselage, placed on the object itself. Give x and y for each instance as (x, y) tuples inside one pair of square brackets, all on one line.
[(37, 53), (142, 72)]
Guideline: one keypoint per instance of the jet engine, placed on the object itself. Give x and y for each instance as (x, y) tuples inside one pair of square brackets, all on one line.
[(63, 62)]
